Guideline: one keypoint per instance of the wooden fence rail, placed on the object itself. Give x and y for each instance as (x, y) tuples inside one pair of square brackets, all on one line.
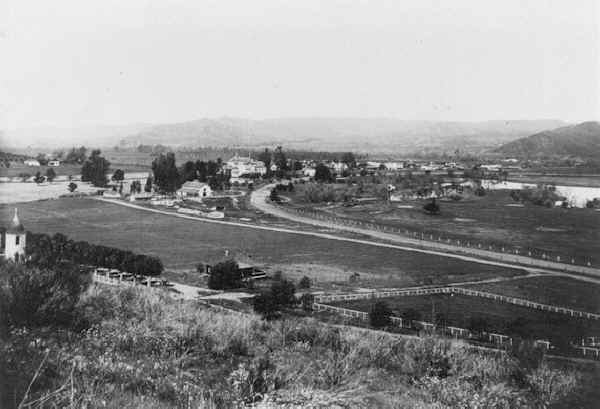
[(504, 252), (461, 291)]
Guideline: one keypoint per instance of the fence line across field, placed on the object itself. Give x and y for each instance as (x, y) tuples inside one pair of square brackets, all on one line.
[(533, 253), (497, 339), (461, 291)]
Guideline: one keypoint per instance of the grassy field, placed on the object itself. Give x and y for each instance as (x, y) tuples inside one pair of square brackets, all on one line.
[(458, 310), (561, 291), (65, 169), (181, 243), (491, 220)]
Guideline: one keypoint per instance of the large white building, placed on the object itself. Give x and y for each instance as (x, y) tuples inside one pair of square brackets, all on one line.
[(239, 166), (14, 240)]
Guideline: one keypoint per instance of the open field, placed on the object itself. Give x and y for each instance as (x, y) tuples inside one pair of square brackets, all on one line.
[(557, 179), (181, 243), (65, 169), (562, 291), (490, 220), (458, 310)]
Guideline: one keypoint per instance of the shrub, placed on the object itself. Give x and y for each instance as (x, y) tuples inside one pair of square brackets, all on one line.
[(281, 295), (304, 282), (432, 207), (380, 314), (307, 300), (225, 275), (33, 297)]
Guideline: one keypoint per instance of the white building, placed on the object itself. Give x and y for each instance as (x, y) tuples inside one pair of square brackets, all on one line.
[(394, 165), (14, 240), (337, 167), (54, 163), (241, 165), (194, 190), (310, 172), (31, 162)]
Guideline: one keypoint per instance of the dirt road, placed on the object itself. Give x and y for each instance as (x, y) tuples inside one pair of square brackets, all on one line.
[(259, 200)]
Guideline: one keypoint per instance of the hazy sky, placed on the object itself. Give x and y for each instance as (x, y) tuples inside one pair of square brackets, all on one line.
[(73, 63)]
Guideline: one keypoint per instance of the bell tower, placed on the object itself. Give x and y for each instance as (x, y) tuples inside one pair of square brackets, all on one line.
[(14, 239)]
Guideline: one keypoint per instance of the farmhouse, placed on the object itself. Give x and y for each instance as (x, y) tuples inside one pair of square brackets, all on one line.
[(13, 240), (247, 270), (31, 162), (194, 190), (54, 163)]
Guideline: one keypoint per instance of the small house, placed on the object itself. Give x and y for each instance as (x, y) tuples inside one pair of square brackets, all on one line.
[(54, 163), (194, 190)]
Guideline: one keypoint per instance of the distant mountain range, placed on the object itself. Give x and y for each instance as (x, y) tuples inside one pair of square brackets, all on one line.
[(371, 135), (375, 135), (582, 140)]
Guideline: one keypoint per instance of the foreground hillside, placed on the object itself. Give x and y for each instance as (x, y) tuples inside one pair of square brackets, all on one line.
[(582, 140), (128, 348)]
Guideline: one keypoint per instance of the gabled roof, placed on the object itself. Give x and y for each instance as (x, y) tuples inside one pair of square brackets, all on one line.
[(15, 227)]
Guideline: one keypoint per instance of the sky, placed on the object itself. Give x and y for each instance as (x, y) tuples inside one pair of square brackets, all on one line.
[(77, 63)]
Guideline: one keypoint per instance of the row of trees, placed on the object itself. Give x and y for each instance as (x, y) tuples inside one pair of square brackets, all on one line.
[(168, 177), (48, 251)]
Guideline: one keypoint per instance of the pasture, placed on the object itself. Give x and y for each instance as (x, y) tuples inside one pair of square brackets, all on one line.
[(181, 243), (458, 310), (561, 291), (491, 220)]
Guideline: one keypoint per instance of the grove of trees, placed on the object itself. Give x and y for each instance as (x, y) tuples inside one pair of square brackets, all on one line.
[(47, 251), (95, 168)]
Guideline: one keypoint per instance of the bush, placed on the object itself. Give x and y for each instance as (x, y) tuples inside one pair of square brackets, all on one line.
[(304, 282), (432, 207), (34, 297), (225, 276), (307, 300), (380, 314), (281, 295)]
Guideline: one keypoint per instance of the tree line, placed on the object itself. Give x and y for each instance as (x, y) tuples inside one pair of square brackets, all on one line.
[(47, 251)]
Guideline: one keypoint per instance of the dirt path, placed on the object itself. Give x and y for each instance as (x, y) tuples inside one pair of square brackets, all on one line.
[(259, 200)]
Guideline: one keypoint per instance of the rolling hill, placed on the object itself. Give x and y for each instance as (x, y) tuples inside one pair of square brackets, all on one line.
[(375, 135), (370, 135), (582, 140)]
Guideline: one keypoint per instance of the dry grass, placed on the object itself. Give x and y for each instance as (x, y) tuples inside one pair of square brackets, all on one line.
[(145, 350)]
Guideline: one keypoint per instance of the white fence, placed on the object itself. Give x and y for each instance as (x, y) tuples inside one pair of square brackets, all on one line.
[(504, 252), (458, 290)]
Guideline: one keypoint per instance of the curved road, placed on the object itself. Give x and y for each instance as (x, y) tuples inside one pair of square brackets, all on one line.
[(259, 200), (260, 197)]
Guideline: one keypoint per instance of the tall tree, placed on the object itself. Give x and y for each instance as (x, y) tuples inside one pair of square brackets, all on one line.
[(188, 171), (322, 173), (50, 174), (118, 176), (280, 159), (349, 159), (94, 169), (166, 175), (265, 157)]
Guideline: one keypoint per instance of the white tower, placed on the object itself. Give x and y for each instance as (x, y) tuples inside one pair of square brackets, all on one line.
[(14, 239)]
